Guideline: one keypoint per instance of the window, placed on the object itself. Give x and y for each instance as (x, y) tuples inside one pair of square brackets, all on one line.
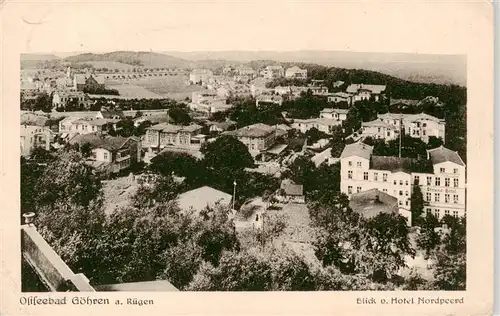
[(428, 197), (379, 129), (416, 180), (442, 170), (429, 180), (428, 210), (253, 146), (455, 213), (436, 197), (455, 170), (400, 202), (438, 181), (349, 190), (418, 124), (388, 134), (375, 176), (384, 176), (105, 156), (400, 182), (406, 182), (446, 212), (395, 182), (349, 174), (455, 198), (365, 175), (406, 193), (436, 212), (446, 198), (400, 192), (406, 203), (424, 124), (350, 163), (446, 182), (423, 132), (359, 163), (455, 183), (358, 189), (384, 190)]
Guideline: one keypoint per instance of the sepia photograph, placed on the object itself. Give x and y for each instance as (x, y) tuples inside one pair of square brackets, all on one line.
[(246, 158), (243, 171)]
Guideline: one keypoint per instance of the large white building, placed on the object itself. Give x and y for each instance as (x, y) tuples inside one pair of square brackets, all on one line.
[(296, 72), (443, 184), (419, 125)]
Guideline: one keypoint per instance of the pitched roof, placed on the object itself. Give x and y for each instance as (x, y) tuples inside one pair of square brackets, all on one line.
[(357, 149), (96, 140), (342, 94), (81, 78), (200, 198), (392, 164), (171, 128), (255, 130), (330, 110), (222, 125), (320, 121), (290, 188), (377, 123), (404, 101), (376, 89), (409, 117), (442, 154), (372, 202), (111, 113)]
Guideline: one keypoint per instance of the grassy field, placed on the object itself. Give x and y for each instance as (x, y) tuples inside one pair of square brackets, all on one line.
[(174, 87)]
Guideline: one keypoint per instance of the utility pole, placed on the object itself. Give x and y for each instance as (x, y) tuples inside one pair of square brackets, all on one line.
[(234, 192), (400, 132)]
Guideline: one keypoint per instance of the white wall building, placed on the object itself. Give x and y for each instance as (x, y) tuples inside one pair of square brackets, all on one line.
[(443, 185), (272, 72), (420, 125), (336, 114), (379, 129), (365, 91), (324, 125)]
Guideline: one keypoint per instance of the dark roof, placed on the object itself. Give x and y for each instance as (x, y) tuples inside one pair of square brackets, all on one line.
[(112, 113), (393, 164), (255, 130), (96, 140), (372, 202), (442, 154), (291, 188), (171, 128), (357, 149)]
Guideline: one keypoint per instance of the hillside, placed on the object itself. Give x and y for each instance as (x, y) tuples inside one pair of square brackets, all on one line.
[(38, 57), (144, 59)]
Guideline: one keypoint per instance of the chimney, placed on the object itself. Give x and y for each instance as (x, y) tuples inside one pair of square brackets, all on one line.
[(28, 218)]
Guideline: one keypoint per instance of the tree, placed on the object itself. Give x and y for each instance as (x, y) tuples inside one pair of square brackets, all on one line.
[(182, 262), (162, 190), (179, 115), (428, 239), (434, 142), (302, 171), (216, 154), (417, 204), (313, 135)]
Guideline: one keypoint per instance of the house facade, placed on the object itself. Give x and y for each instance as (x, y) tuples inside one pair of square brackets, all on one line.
[(378, 129), (264, 99), (257, 137), (340, 97), (289, 192), (63, 98), (33, 137), (83, 82), (420, 125), (334, 114), (325, 125), (272, 72), (164, 135), (362, 92), (443, 184)]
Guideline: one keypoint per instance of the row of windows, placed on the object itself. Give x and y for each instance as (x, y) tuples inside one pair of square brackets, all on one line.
[(438, 213), (437, 181), (437, 197)]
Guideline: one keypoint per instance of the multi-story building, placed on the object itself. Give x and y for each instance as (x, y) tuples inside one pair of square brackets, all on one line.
[(379, 129), (110, 154), (336, 114), (325, 125), (318, 90), (257, 137), (164, 135), (365, 91), (339, 97), (272, 72), (200, 76), (264, 99), (420, 125), (442, 182), (33, 137), (296, 72), (86, 125), (63, 98)]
